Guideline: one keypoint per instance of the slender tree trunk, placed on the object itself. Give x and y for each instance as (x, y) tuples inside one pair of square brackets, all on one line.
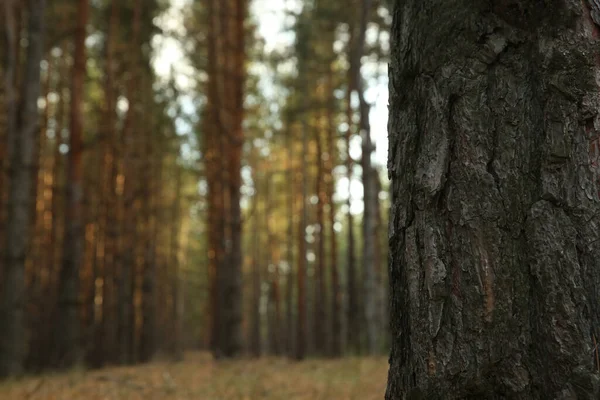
[(149, 298), (106, 341), (67, 331), (336, 295), (274, 277), (22, 133), (175, 262), (494, 234), (320, 302), (255, 337), (289, 292), (131, 143), (302, 331), (52, 251), (232, 289), (353, 327), (369, 195)]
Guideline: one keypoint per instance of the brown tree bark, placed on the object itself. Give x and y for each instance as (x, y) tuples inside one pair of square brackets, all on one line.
[(22, 133), (493, 231)]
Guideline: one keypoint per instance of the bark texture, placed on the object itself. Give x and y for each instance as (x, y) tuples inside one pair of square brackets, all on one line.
[(494, 227)]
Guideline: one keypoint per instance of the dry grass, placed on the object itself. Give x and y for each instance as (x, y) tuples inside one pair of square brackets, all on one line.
[(198, 377)]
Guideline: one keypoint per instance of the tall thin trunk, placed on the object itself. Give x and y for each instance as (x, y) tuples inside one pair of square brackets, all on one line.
[(302, 331), (52, 251), (22, 133), (106, 340), (175, 262), (232, 305), (320, 298), (131, 142), (369, 195), (67, 332), (40, 227), (149, 299), (353, 327), (274, 277), (289, 292), (255, 337), (335, 345)]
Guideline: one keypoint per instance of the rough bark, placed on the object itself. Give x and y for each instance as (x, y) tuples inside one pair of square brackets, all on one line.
[(22, 131), (494, 227)]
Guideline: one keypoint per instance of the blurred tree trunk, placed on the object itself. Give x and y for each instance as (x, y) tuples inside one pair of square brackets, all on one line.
[(67, 331), (52, 251), (22, 131), (131, 142), (353, 327), (151, 177), (320, 298), (106, 340), (493, 232), (335, 346), (40, 226), (289, 291), (369, 196), (213, 161), (175, 263), (232, 289), (302, 331), (4, 110), (274, 276), (255, 337)]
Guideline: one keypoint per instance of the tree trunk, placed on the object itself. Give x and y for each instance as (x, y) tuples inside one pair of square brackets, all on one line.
[(353, 328), (336, 295), (255, 339), (275, 332), (22, 131), (289, 280), (232, 283), (494, 234), (320, 302), (302, 331), (67, 333), (106, 341)]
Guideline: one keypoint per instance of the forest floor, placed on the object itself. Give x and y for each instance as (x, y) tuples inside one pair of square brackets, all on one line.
[(199, 377)]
